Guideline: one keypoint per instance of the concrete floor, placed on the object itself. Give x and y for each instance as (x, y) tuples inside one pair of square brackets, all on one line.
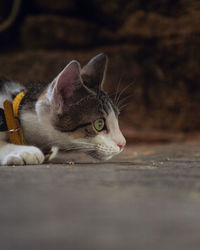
[(147, 198)]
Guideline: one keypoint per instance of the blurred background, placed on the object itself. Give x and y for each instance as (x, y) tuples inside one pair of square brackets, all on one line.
[(153, 48)]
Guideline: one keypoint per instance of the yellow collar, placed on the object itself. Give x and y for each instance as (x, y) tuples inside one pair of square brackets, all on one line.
[(11, 111)]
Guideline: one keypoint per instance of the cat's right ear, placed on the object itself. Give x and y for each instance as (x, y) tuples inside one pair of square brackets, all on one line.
[(93, 73), (64, 85)]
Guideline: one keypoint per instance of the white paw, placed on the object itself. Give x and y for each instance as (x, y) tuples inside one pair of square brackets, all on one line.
[(25, 155)]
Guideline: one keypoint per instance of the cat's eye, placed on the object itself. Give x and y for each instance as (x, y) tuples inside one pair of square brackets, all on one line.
[(99, 124)]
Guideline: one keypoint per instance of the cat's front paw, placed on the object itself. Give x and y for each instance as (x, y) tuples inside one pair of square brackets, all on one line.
[(26, 155)]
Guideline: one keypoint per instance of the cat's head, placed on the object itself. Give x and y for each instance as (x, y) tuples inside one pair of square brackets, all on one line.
[(82, 115)]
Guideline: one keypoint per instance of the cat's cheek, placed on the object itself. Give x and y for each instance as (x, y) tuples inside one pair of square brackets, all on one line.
[(103, 132), (89, 132), (75, 135), (84, 133)]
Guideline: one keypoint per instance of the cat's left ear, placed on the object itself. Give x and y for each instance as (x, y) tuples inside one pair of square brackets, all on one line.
[(64, 86), (93, 73)]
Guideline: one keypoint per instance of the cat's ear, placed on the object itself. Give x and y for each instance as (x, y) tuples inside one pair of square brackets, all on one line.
[(93, 73), (64, 85)]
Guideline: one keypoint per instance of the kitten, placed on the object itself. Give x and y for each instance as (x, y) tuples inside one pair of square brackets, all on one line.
[(71, 113)]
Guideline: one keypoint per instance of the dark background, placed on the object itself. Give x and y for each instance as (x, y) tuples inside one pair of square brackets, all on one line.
[(153, 47)]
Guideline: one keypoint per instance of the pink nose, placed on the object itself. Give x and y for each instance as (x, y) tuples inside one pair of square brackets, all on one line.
[(121, 145)]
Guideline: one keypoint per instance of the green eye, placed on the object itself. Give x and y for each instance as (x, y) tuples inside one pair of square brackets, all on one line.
[(99, 124)]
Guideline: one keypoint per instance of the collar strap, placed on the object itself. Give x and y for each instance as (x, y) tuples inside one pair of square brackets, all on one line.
[(16, 103), (11, 111)]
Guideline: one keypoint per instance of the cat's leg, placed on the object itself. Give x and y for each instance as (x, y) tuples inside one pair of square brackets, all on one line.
[(51, 154), (11, 154)]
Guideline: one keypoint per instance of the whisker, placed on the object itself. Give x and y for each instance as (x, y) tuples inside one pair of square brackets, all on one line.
[(117, 90), (112, 94), (83, 146), (123, 106), (86, 143), (84, 149), (93, 154), (124, 99), (123, 90)]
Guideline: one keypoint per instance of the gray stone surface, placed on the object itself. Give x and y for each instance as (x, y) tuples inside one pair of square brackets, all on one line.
[(147, 198)]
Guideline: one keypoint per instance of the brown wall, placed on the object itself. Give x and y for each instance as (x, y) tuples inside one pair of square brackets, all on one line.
[(152, 44)]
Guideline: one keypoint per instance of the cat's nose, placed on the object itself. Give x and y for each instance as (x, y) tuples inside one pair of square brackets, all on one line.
[(121, 145)]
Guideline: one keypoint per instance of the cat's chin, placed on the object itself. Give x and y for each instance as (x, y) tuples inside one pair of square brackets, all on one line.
[(100, 157)]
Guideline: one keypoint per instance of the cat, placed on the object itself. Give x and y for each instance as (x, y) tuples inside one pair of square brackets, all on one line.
[(73, 112)]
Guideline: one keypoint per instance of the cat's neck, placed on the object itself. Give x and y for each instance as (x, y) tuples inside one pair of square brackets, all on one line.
[(35, 132), (36, 129)]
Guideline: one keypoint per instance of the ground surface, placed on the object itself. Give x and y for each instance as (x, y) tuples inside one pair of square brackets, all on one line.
[(147, 198)]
